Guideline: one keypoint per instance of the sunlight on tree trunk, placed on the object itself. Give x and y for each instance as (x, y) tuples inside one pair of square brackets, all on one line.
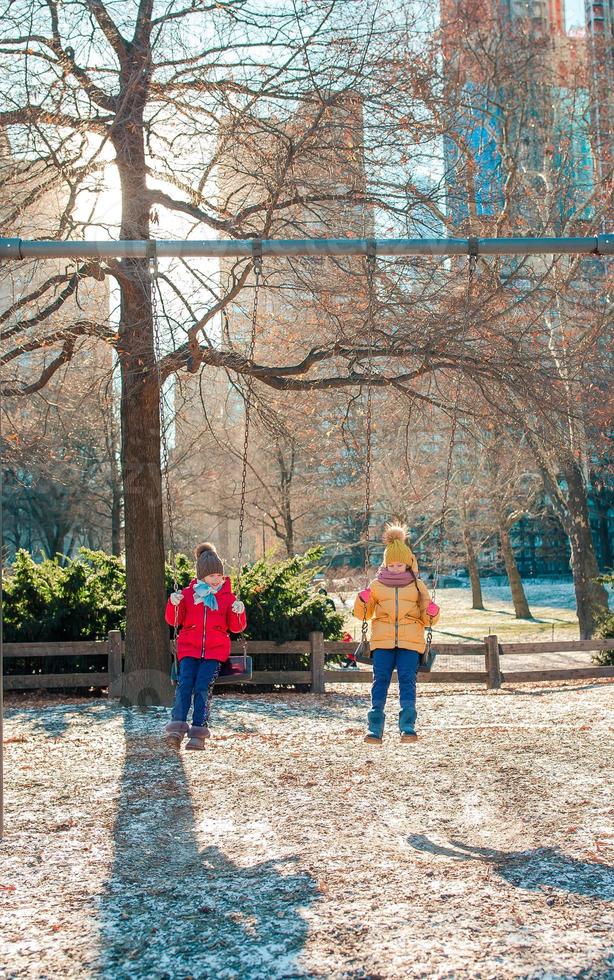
[(521, 606)]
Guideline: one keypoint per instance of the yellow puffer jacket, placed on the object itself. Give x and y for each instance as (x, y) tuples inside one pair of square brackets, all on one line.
[(398, 614)]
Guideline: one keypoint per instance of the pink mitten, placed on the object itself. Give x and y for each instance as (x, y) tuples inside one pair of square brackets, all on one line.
[(432, 609), (365, 595)]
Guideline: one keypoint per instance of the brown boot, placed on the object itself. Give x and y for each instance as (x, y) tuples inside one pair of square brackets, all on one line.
[(174, 733), (198, 736)]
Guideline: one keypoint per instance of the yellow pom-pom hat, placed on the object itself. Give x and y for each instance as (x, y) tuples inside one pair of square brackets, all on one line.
[(397, 549)]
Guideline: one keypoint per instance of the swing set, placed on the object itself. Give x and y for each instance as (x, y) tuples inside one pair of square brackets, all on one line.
[(236, 668), (239, 668), (15, 249), (363, 651)]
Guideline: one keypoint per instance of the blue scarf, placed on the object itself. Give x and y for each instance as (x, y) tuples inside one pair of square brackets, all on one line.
[(205, 593)]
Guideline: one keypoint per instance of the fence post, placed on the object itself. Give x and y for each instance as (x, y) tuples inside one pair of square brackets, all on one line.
[(114, 641), (493, 665), (316, 642)]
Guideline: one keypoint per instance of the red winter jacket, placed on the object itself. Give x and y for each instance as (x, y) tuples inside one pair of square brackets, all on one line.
[(204, 632)]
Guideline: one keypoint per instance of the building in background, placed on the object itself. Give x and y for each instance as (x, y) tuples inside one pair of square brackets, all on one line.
[(600, 53), (531, 95), (549, 131)]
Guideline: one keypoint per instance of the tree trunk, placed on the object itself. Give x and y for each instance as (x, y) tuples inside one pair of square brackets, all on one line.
[(116, 519), (147, 655), (286, 472), (571, 508), (223, 535), (146, 674), (591, 596), (116, 490), (288, 527), (474, 574), (521, 606)]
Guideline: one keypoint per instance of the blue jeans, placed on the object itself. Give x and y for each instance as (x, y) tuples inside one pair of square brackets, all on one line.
[(196, 677), (406, 663)]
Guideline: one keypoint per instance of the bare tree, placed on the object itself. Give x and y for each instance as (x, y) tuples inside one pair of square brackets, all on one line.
[(164, 99), (88, 87), (61, 485)]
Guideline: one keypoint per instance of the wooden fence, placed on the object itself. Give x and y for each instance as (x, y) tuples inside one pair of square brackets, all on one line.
[(112, 648), (319, 673)]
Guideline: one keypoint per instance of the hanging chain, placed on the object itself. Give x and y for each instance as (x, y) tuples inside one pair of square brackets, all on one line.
[(248, 399), (473, 259), (369, 420), (152, 257), (153, 268), (371, 255), (446, 489)]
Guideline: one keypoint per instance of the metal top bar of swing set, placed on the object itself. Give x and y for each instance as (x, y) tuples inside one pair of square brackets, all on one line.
[(18, 248)]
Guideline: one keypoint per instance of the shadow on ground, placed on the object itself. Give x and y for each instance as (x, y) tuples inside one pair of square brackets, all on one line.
[(55, 720), (235, 714), (175, 907), (534, 870)]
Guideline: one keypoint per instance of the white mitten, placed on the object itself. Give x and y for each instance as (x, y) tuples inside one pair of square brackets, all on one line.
[(238, 607), (176, 598)]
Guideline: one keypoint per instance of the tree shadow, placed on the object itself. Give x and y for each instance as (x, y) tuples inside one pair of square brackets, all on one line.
[(514, 689), (503, 612), (526, 619), (533, 870), (55, 719), (173, 908), (458, 636)]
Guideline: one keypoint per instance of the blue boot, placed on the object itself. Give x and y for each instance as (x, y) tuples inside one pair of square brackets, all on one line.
[(407, 722), (375, 722)]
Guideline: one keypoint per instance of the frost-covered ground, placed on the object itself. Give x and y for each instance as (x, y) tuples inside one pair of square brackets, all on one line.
[(292, 849)]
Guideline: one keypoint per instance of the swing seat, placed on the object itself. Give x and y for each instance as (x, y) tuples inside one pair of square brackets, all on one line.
[(235, 669), (425, 664), (427, 659), (362, 653)]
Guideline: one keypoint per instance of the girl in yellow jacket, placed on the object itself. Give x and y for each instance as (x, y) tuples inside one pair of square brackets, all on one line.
[(398, 603)]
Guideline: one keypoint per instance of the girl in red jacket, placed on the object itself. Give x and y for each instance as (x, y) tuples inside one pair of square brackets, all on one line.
[(206, 612)]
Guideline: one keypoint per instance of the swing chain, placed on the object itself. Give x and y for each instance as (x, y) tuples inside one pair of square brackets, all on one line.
[(446, 490), (247, 398), (152, 258), (371, 265), (473, 244), (371, 258), (473, 249)]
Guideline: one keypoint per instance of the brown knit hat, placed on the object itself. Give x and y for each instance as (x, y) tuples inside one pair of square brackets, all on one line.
[(208, 562)]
